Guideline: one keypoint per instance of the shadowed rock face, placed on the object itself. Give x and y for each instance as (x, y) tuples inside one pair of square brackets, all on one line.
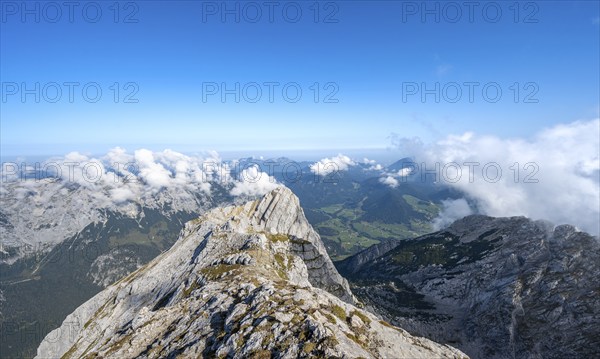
[(280, 212), (493, 287), (252, 280)]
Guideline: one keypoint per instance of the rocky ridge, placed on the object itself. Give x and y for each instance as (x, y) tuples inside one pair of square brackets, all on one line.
[(493, 287), (245, 281)]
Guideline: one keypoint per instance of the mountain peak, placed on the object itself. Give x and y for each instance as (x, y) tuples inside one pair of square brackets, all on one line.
[(241, 281), (279, 211), (278, 215)]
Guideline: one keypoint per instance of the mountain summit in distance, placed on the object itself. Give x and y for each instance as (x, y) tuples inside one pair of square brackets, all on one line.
[(242, 281)]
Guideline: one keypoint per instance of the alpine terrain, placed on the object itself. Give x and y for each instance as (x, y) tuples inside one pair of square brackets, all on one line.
[(241, 281), (493, 287), (69, 240)]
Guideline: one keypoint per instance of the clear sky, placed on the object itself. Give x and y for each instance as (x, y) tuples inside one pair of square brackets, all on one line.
[(370, 60)]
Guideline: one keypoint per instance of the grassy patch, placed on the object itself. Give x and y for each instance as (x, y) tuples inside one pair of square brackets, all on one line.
[(70, 353), (280, 259), (426, 207), (330, 342), (308, 347), (362, 317), (386, 324), (188, 291), (333, 209), (339, 312), (278, 237), (281, 269), (267, 339), (297, 319), (382, 230), (354, 338), (134, 236), (215, 272), (261, 354), (329, 317)]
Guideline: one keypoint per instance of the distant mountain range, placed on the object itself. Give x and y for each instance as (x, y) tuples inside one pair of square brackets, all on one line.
[(65, 247), (70, 239)]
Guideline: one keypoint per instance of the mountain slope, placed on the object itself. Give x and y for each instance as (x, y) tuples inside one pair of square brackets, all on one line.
[(244, 281), (67, 241), (36, 216), (74, 271), (493, 287)]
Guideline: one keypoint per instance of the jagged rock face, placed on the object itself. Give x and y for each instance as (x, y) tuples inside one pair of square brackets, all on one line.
[(252, 280), (280, 212), (493, 287)]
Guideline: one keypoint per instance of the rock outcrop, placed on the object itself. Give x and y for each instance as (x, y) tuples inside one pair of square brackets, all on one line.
[(492, 287), (245, 281)]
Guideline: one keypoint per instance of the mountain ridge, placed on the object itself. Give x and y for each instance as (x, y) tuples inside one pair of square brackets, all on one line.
[(492, 287), (237, 283)]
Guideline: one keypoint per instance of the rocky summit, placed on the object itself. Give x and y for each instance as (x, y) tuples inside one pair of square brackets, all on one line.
[(492, 287), (241, 282)]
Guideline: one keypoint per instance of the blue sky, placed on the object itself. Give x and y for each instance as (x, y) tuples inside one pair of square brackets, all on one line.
[(370, 54)]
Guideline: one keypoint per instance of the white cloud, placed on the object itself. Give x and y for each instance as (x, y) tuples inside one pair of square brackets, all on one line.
[(407, 146), (253, 182), (119, 177), (553, 176), (390, 181), (368, 161), (451, 211), (121, 194), (76, 168), (75, 157), (404, 172), (331, 165), (374, 166), (390, 178), (154, 174), (119, 155)]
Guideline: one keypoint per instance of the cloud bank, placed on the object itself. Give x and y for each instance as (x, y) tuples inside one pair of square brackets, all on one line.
[(327, 166), (390, 181), (393, 179), (119, 177), (253, 182), (555, 175), (452, 210)]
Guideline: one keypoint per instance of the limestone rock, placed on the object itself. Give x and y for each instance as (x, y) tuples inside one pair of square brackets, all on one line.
[(493, 287), (245, 281)]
